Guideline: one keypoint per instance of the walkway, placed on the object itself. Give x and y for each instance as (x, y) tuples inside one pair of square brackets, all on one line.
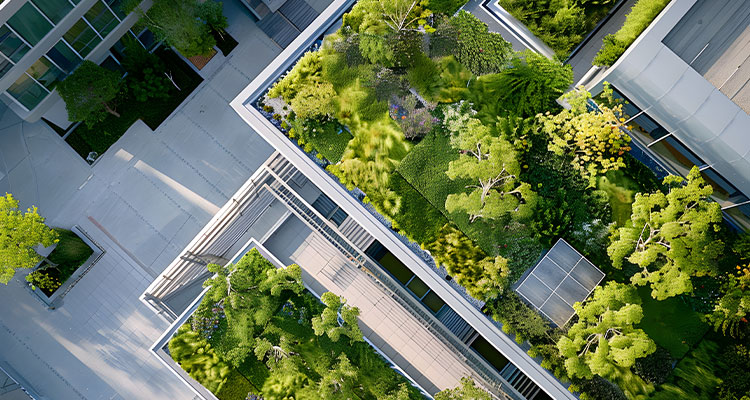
[(143, 201)]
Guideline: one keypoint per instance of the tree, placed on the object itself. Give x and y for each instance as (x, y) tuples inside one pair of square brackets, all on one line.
[(604, 338), (184, 24), (402, 15), (196, 356), (478, 49), (730, 313), (468, 390), (328, 321), (532, 83), (671, 236), (492, 163), (19, 233), (592, 139), (88, 93), (338, 382)]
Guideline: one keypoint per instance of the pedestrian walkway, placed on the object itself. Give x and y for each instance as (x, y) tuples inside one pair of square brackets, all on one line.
[(143, 201)]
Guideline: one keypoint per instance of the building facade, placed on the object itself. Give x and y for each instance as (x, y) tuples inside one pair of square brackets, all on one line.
[(687, 98), (43, 41)]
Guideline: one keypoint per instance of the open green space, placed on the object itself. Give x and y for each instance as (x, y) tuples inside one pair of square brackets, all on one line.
[(671, 323), (69, 254), (153, 112)]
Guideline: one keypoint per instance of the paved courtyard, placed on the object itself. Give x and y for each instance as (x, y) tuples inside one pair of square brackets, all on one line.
[(143, 201)]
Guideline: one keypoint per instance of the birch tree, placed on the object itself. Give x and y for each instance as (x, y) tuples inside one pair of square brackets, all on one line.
[(671, 237), (605, 338)]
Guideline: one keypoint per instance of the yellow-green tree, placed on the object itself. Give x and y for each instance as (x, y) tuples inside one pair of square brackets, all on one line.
[(605, 338), (593, 139), (491, 163), (328, 321), (671, 237), (20, 232), (468, 390), (731, 311)]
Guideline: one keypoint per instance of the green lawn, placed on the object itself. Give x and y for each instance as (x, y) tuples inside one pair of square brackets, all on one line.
[(621, 190), (69, 254), (417, 218), (671, 323), (330, 140), (153, 111)]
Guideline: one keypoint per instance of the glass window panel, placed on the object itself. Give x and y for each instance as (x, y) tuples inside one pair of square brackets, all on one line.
[(27, 92), (11, 45), (418, 287), (740, 215), (30, 24), (82, 38), (64, 57), (723, 190), (55, 10), (646, 128), (46, 73), (111, 64), (5, 66), (148, 39), (677, 155), (116, 6), (101, 18)]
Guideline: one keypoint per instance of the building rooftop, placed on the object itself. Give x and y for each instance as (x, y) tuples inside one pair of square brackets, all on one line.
[(714, 39)]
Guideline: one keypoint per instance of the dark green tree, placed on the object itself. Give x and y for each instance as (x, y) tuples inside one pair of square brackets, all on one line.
[(89, 93), (478, 49), (532, 83)]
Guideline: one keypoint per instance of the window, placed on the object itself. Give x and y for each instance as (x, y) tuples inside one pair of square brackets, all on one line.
[(11, 45), (116, 6), (82, 38), (64, 57), (724, 192), (30, 24), (101, 18), (55, 10), (740, 215), (676, 154), (5, 66), (46, 73), (27, 92), (644, 127)]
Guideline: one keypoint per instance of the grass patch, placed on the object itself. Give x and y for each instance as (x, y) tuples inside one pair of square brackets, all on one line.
[(153, 112), (671, 323), (236, 388), (69, 254), (621, 190), (419, 220), (329, 139)]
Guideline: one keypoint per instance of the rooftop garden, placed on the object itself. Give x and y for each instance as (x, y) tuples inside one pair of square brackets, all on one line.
[(459, 142), (259, 332)]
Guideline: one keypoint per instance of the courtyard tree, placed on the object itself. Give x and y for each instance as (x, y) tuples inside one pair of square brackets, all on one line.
[(20, 232), (592, 139), (184, 24), (328, 321), (89, 93), (532, 83), (671, 237), (196, 356), (468, 390), (491, 163), (605, 339), (731, 311)]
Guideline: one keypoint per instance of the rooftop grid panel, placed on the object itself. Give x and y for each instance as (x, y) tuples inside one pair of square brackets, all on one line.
[(559, 280)]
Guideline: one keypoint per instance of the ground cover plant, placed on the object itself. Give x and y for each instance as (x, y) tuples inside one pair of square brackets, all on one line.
[(146, 94), (258, 330), (69, 254), (467, 153), (561, 24), (637, 20)]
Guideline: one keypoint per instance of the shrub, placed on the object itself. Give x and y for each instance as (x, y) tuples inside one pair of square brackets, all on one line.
[(416, 122), (348, 47), (386, 84), (736, 380), (198, 359), (314, 101), (307, 69), (151, 85), (479, 50), (599, 388), (422, 75), (448, 7), (519, 319), (655, 367), (639, 18), (43, 280)]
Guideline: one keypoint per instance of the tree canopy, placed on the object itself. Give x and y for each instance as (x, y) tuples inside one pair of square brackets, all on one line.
[(491, 162), (20, 232), (730, 314), (468, 390), (89, 93), (671, 237), (604, 338), (328, 321)]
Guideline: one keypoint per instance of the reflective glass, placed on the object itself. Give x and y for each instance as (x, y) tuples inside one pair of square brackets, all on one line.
[(27, 92), (11, 45), (724, 192), (64, 57), (101, 18), (30, 24), (46, 73), (116, 6), (55, 10), (82, 38), (677, 155), (740, 215), (5, 66)]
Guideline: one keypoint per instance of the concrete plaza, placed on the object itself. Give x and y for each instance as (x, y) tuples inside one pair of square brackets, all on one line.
[(143, 201)]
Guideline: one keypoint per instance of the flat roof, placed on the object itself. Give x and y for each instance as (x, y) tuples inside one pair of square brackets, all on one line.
[(562, 278), (714, 39)]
